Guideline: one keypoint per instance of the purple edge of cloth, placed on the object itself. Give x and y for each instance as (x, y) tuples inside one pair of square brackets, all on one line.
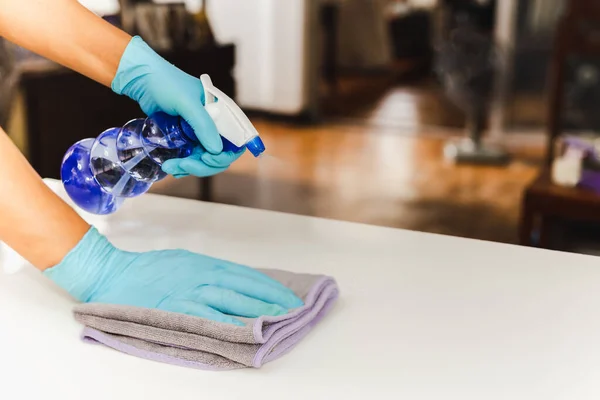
[(292, 332), (94, 336), (287, 345), (263, 336), (288, 335)]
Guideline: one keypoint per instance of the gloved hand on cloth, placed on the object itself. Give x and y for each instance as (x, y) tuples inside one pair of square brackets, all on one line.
[(171, 280)]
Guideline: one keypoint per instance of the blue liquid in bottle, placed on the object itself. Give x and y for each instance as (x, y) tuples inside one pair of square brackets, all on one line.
[(99, 174)]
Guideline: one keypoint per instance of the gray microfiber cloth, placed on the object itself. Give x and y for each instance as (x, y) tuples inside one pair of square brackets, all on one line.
[(201, 343)]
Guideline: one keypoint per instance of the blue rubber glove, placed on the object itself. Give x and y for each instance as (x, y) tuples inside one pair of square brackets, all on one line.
[(201, 163), (157, 85), (171, 280)]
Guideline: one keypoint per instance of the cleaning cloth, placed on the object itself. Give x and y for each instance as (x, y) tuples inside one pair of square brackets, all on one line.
[(201, 343)]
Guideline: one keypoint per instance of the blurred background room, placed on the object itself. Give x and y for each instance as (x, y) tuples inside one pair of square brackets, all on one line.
[(472, 118)]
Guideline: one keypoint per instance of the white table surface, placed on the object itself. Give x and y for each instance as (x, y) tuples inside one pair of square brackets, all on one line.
[(420, 316)]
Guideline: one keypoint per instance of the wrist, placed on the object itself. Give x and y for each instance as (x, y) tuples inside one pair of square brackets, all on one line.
[(136, 62), (82, 271)]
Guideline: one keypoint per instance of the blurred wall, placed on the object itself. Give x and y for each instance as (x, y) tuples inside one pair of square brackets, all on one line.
[(272, 53)]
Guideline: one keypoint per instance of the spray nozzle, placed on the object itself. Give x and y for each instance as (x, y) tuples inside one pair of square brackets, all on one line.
[(230, 120)]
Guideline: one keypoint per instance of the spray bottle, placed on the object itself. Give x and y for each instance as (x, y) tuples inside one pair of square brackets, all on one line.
[(99, 174)]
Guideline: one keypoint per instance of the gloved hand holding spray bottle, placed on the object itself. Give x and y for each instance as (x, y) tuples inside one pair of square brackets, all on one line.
[(99, 174)]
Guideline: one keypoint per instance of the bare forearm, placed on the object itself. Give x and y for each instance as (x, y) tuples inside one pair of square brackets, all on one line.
[(66, 32), (34, 221)]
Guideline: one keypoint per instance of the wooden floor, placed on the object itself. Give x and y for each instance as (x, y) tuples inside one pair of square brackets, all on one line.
[(376, 175), (378, 160), (381, 100)]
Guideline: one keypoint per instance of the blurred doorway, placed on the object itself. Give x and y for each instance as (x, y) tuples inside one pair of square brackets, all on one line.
[(378, 61)]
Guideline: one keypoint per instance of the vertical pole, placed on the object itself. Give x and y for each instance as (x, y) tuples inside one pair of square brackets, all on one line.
[(505, 38)]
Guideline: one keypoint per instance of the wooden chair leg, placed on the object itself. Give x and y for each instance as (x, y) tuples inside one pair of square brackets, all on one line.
[(548, 227), (526, 223), (329, 20), (206, 187)]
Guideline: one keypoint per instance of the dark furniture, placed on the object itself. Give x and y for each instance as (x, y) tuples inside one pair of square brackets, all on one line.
[(64, 107), (578, 34), (329, 16), (546, 206)]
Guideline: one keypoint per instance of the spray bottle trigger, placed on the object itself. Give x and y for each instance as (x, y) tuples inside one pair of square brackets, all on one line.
[(230, 120), (209, 96)]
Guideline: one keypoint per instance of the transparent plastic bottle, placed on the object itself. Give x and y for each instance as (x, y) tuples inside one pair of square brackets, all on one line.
[(99, 174)]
